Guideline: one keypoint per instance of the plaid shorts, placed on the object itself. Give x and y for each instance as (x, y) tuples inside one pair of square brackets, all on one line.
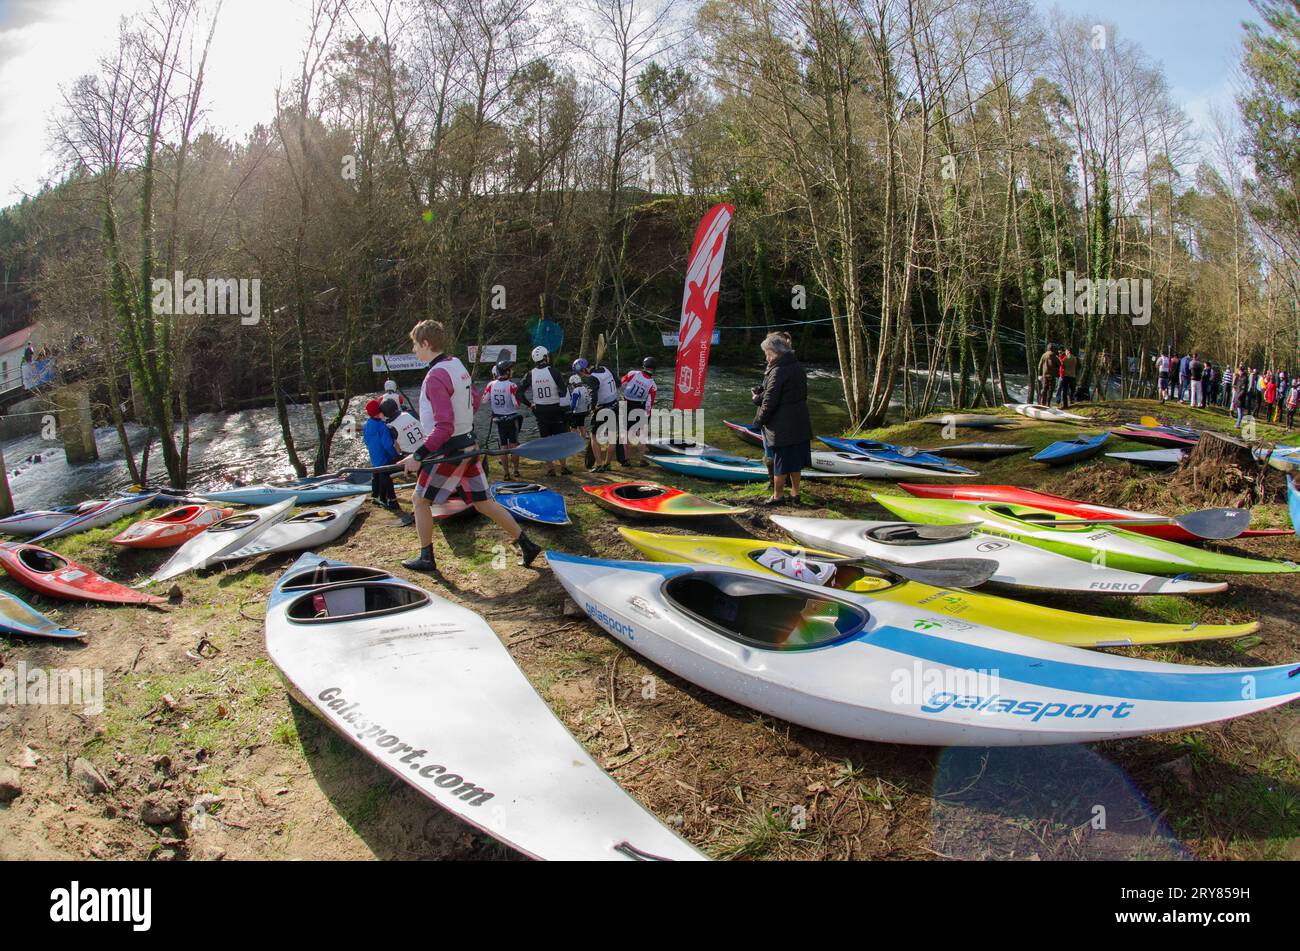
[(446, 479)]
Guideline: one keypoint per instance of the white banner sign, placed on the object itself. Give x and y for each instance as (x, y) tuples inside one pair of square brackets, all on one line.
[(493, 353), (395, 361), (670, 340)]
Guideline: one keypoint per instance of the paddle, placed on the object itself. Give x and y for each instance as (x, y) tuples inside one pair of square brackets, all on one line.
[(547, 449), (1213, 524), (939, 572)]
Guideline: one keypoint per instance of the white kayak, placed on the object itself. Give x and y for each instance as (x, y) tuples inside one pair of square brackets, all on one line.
[(1151, 458), (42, 520), (1048, 413), (99, 516), (855, 464), (859, 667), (1019, 564), (227, 535), (424, 688), (313, 528)]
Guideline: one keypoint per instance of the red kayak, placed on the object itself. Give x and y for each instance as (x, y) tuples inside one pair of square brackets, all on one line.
[(652, 500), (171, 528), (49, 573), (1067, 507)]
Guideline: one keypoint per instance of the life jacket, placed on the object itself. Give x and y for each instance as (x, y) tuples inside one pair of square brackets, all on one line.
[(580, 394), (408, 431), (637, 386), (501, 397), (542, 384), (462, 396), (607, 391)]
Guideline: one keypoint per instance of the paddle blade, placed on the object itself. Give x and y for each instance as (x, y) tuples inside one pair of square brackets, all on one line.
[(549, 448), (600, 349), (1149, 421), (1215, 524), (940, 572)]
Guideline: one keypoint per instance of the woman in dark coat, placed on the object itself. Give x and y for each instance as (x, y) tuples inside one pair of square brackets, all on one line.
[(783, 415)]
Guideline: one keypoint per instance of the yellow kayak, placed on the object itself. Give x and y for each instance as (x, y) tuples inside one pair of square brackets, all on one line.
[(1031, 620)]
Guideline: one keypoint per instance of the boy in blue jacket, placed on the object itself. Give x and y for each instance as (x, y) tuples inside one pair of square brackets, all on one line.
[(382, 446)]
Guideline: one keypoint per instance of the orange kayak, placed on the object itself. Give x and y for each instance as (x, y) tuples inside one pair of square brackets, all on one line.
[(171, 528)]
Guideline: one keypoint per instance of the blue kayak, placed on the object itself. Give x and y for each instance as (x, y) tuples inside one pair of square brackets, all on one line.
[(1072, 450), (19, 617), (1293, 503), (531, 502), (271, 494), (888, 452)]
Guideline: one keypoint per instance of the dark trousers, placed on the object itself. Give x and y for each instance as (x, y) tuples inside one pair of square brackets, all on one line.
[(381, 487)]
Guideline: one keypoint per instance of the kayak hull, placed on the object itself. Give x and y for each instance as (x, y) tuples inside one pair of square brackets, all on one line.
[(1151, 459), (853, 464), (1067, 508), (977, 450), (856, 666), (652, 500), (1115, 547), (1154, 437), (49, 573), (531, 502), (887, 452), (1019, 565), (1030, 620), (262, 495), (171, 528), (725, 468), (310, 529), (1048, 414), (228, 535), (425, 689), (1071, 450), (750, 434), (17, 617)]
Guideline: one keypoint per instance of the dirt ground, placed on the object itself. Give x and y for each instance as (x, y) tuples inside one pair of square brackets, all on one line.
[(202, 755)]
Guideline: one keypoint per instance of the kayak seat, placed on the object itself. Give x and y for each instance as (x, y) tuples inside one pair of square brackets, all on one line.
[(40, 560), (905, 533), (179, 515), (519, 488), (763, 613), (324, 574), (234, 522), (351, 601), (638, 492), (314, 517)]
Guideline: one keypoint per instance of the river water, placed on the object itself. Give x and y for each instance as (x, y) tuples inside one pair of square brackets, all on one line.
[(247, 446)]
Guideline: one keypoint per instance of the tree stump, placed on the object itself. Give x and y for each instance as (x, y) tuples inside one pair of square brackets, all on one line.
[(1221, 471)]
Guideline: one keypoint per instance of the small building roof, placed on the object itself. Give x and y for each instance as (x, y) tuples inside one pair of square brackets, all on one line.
[(16, 340)]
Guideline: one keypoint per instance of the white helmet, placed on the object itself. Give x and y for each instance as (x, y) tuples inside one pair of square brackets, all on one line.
[(540, 354), (390, 386)]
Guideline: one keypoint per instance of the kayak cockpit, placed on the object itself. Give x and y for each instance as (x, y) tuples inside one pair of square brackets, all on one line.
[(638, 492), (519, 488), (236, 522), (41, 561), (318, 517), (183, 514), (327, 574), (907, 533), (352, 601), (762, 613)]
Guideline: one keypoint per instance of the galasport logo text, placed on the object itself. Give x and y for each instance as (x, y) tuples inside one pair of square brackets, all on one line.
[(390, 743)]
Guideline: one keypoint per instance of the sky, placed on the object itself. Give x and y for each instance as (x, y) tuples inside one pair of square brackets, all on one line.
[(48, 43)]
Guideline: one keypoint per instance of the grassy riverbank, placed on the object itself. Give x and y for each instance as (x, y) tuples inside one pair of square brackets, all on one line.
[(197, 718)]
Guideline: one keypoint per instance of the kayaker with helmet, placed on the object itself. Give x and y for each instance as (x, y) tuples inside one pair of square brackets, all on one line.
[(604, 421), (503, 398), (407, 433), (583, 391), (448, 401), (638, 387), (544, 393), (392, 392)]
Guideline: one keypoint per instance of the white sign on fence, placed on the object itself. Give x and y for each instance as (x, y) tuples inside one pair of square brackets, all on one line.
[(670, 340), (493, 353), (384, 362)]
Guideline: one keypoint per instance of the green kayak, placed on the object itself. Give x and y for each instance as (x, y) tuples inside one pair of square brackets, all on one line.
[(1101, 544)]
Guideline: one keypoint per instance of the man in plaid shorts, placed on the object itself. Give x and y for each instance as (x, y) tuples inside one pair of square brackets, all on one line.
[(447, 404)]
